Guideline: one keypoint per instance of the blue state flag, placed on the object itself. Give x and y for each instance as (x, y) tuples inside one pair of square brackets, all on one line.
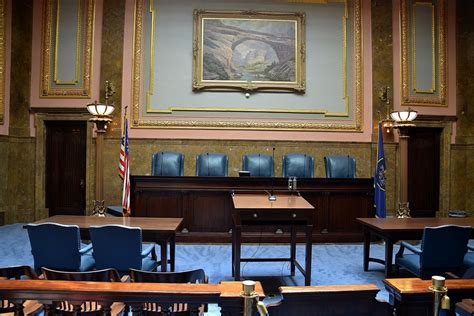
[(379, 179)]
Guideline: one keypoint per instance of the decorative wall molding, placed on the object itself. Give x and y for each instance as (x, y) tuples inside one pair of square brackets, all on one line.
[(412, 94), (338, 123), (79, 86), (3, 7)]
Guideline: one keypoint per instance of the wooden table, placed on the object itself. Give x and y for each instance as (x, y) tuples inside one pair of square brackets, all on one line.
[(411, 296), (159, 230), (288, 209), (392, 230)]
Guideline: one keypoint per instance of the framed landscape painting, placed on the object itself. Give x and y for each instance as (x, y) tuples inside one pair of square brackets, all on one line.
[(249, 50)]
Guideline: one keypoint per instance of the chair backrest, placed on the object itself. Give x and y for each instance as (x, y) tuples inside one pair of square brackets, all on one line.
[(444, 246), (190, 276), (104, 275), (15, 273), (167, 163), (259, 165), (340, 167), (55, 246), (18, 273), (117, 247), (211, 164), (298, 165)]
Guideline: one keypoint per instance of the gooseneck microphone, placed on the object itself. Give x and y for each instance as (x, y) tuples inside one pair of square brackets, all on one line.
[(272, 197)]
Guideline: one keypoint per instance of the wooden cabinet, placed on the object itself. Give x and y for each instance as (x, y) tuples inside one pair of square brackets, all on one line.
[(206, 206)]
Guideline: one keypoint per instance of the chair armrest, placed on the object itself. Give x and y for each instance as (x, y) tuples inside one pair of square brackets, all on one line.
[(85, 249), (147, 249), (412, 248), (470, 247)]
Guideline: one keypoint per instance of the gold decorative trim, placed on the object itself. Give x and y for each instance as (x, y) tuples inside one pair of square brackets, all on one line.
[(406, 24), (433, 47), (78, 47), (66, 90), (151, 84), (3, 40), (354, 125)]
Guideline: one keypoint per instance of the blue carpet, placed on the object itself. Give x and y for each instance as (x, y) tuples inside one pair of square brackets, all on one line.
[(332, 263)]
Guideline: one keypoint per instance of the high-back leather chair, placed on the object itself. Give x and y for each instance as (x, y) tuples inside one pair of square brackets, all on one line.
[(167, 163), (120, 247), (181, 309), (340, 167), (211, 164), (259, 165), (442, 250), (298, 165), (58, 246)]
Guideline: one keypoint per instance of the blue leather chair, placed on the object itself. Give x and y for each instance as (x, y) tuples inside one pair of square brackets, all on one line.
[(167, 163), (211, 164), (120, 247), (340, 167), (298, 165), (469, 257), (58, 247), (259, 165), (442, 250)]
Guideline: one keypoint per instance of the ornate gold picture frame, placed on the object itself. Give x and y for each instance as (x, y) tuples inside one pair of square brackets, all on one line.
[(249, 50)]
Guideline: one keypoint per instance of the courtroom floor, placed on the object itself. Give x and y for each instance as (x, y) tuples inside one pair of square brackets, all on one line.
[(331, 263)]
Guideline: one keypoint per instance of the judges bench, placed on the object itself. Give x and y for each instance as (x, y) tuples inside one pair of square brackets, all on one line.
[(205, 204)]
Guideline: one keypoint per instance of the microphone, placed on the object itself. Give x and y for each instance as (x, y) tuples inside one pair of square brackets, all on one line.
[(272, 197)]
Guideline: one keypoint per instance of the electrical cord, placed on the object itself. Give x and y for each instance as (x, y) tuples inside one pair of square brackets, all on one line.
[(254, 253)]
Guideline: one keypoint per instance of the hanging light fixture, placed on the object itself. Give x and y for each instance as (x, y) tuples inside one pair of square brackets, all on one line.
[(102, 112), (404, 118)]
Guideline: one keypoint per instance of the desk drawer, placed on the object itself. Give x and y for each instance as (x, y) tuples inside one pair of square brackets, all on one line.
[(275, 215)]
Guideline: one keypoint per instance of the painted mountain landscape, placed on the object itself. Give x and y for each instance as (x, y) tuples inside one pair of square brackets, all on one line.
[(249, 50)]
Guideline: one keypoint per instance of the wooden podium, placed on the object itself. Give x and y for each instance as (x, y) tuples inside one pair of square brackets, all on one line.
[(255, 209)]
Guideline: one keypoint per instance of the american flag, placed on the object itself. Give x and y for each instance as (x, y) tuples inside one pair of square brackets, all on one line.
[(124, 170)]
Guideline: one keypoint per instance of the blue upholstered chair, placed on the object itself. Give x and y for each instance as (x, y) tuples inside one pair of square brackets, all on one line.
[(167, 163), (259, 165), (298, 165), (469, 257), (340, 167), (58, 247), (442, 250), (120, 247), (211, 164)]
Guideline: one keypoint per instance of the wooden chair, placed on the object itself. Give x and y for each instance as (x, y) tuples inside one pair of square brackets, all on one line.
[(176, 309), (90, 308), (27, 307)]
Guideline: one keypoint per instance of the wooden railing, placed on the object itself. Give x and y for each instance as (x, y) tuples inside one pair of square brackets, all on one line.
[(226, 294)]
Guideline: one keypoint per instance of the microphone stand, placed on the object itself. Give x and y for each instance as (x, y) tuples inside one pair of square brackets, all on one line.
[(272, 197)]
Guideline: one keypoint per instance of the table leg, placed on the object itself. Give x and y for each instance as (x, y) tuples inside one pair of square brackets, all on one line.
[(309, 254), (366, 249), (233, 251), (238, 235), (172, 252), (293, 249), (388, 257), (164, 255)]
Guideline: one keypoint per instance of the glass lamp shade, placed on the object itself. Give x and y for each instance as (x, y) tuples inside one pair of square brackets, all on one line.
[(404, 116), (98, 109)]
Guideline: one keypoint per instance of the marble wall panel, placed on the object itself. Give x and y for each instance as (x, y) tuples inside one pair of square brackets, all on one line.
[(4, 148), (464, 71), (21, 185)]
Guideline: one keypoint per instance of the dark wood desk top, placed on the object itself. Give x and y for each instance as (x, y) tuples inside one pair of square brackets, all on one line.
[(162, 224), (418, 286), (413, 224), (260, 201)]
